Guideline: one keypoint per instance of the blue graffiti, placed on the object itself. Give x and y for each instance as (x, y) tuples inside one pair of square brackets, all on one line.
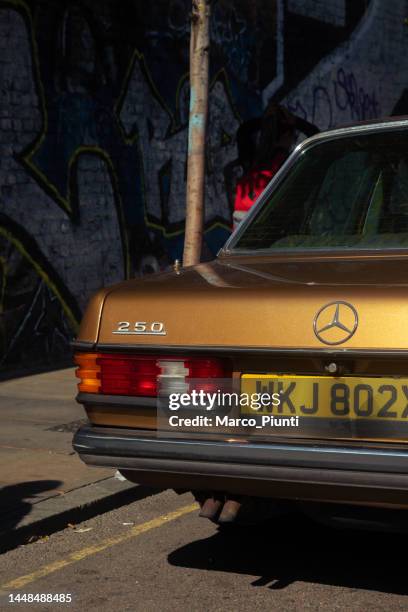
[(350, 96), (343, 95), (321, 98), (297, 109)]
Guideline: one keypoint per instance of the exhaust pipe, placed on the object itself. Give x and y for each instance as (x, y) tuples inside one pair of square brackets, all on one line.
[(219, 508), (210, 507), (229, 511)]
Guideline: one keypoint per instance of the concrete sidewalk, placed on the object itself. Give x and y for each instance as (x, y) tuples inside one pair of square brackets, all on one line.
[(40, 475)]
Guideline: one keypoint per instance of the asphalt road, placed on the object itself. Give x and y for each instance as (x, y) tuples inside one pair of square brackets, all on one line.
[(157, 554)]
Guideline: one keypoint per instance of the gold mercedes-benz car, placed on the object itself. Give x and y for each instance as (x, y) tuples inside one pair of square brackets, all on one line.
[(279, 371)]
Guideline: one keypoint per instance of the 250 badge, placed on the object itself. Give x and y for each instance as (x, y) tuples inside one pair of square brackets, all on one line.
[(140, 328)]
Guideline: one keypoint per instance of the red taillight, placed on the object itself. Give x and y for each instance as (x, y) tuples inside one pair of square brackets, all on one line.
[(201, 371), (141, 375), (128, 375), (207, 368)]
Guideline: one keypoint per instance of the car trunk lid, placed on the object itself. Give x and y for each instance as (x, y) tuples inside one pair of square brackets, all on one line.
[(265, 303)]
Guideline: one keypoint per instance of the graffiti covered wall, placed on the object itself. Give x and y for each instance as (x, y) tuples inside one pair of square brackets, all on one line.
[(94, 100), (362, 78)]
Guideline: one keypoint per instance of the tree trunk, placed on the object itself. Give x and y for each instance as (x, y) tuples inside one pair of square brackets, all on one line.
[(199, 64)]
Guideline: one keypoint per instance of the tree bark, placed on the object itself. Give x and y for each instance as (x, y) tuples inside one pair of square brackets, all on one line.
[(199, 70)]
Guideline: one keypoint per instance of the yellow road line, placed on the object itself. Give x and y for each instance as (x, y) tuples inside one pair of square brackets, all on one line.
[(79, 555)]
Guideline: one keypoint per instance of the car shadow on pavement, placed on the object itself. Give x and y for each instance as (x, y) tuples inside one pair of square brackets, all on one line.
[(298, 549), (16, 501)]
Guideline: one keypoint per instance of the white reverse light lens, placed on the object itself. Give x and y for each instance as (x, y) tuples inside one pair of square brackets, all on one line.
[(172, 378)]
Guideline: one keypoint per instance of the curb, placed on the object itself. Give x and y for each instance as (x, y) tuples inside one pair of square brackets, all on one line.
[(54, 513)]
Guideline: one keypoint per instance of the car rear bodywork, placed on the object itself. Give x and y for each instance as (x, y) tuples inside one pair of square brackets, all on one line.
[(329, 315)]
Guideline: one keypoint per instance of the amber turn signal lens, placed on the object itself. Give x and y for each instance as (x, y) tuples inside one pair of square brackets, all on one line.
[(89, 372)]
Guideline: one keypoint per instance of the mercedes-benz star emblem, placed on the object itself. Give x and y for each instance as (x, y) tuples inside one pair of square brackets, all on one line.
[(335, 323)]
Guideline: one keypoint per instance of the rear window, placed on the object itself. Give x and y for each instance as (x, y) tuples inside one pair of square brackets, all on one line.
[(349, 192)]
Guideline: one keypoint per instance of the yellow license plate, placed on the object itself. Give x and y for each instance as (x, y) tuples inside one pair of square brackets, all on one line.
[(328, 397)]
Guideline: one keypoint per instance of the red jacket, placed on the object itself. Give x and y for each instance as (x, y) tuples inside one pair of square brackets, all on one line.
[(251, 185)]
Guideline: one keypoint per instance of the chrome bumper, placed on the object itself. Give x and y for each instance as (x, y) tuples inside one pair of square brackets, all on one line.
[(368, 474)]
